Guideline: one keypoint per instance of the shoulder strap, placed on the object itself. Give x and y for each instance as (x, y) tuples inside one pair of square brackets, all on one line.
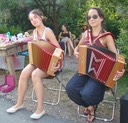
[(34, 34), (103, 35), (89, 36)]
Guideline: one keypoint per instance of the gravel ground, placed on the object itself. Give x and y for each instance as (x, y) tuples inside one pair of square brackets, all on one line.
[(66, 108)]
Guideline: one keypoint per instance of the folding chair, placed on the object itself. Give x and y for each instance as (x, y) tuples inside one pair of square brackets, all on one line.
[(57, 90), (59, 79), (111, 104)]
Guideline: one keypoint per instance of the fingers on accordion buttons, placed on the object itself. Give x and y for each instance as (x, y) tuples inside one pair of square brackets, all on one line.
[(115, 78)]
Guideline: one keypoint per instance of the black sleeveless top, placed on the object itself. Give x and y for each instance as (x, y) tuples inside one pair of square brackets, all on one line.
[(63, 34)]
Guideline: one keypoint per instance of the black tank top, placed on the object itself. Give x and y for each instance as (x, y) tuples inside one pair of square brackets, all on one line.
[(65, 34)]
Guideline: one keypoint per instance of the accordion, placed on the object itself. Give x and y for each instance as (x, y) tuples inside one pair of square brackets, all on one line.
[(43, 55), (100, 64)]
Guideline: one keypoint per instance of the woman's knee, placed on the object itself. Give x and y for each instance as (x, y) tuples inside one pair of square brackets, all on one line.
[(35, 76), (68, 88), (26, 72), (71, 89), (24, 75)]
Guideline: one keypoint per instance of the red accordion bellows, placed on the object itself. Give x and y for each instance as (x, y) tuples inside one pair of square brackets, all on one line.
[(100, 63), (43, 55)]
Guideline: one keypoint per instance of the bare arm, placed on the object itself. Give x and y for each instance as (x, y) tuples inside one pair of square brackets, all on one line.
[(111, 46), (51, 37), (110, 43), (76, 51)]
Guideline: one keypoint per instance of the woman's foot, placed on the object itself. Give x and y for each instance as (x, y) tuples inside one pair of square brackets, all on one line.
[(37, 116), (14, 108), (86, 111), (91, 113)]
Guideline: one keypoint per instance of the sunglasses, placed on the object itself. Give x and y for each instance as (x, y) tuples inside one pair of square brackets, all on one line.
[(93, 17)]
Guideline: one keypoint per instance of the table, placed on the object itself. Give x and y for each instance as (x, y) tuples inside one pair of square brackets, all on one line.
[(8, 50)]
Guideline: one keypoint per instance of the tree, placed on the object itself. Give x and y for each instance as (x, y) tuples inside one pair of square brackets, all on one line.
[(51, 9)]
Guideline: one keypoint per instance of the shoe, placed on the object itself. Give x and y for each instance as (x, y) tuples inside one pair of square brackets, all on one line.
[(37, 116), (91, 114), (13, 109)]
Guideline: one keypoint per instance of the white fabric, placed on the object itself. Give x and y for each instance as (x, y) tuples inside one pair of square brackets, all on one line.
[(35, 37), (65, 39)]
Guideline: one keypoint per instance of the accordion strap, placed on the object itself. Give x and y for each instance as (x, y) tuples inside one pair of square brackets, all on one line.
[(103, 35)]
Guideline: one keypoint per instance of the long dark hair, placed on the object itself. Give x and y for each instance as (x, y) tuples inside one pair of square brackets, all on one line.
[(101, 15), (66, 25), (39, 13)]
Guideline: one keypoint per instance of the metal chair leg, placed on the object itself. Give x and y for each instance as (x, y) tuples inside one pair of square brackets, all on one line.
[(58, 90)]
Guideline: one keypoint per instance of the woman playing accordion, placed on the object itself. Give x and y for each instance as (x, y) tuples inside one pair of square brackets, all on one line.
[(83, 89), (41, 32)]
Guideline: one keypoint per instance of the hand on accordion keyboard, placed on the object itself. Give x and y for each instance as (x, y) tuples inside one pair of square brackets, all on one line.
[(119, 74), (55, 67), (76, 54)]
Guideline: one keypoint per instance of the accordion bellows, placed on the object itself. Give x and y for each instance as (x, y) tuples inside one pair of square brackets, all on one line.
[(43, 55), (100, 64)]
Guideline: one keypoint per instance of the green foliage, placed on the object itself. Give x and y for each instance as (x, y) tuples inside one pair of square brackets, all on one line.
[(72, 12), (7, 4), (12, 29), (3, 28), (122, 44), (14, 15), (15, 29), (122, 86)]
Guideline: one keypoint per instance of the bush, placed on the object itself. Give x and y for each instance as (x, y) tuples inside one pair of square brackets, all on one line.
[(12, 29), (15, 29), (3, 28), (122, 44)]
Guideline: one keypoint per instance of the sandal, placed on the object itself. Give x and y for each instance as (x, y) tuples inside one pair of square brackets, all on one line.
[(91, 114)]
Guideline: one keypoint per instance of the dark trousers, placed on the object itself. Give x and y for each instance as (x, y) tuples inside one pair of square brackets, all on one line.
[(84, 90)]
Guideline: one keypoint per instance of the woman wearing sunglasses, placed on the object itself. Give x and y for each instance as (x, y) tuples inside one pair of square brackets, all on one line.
[(82, 89)]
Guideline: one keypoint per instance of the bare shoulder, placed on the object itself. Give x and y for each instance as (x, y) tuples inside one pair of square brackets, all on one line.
[(49, 30), (109, 37), (50, 36)]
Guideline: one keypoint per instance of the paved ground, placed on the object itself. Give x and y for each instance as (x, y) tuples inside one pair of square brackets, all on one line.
[(23, 116)]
